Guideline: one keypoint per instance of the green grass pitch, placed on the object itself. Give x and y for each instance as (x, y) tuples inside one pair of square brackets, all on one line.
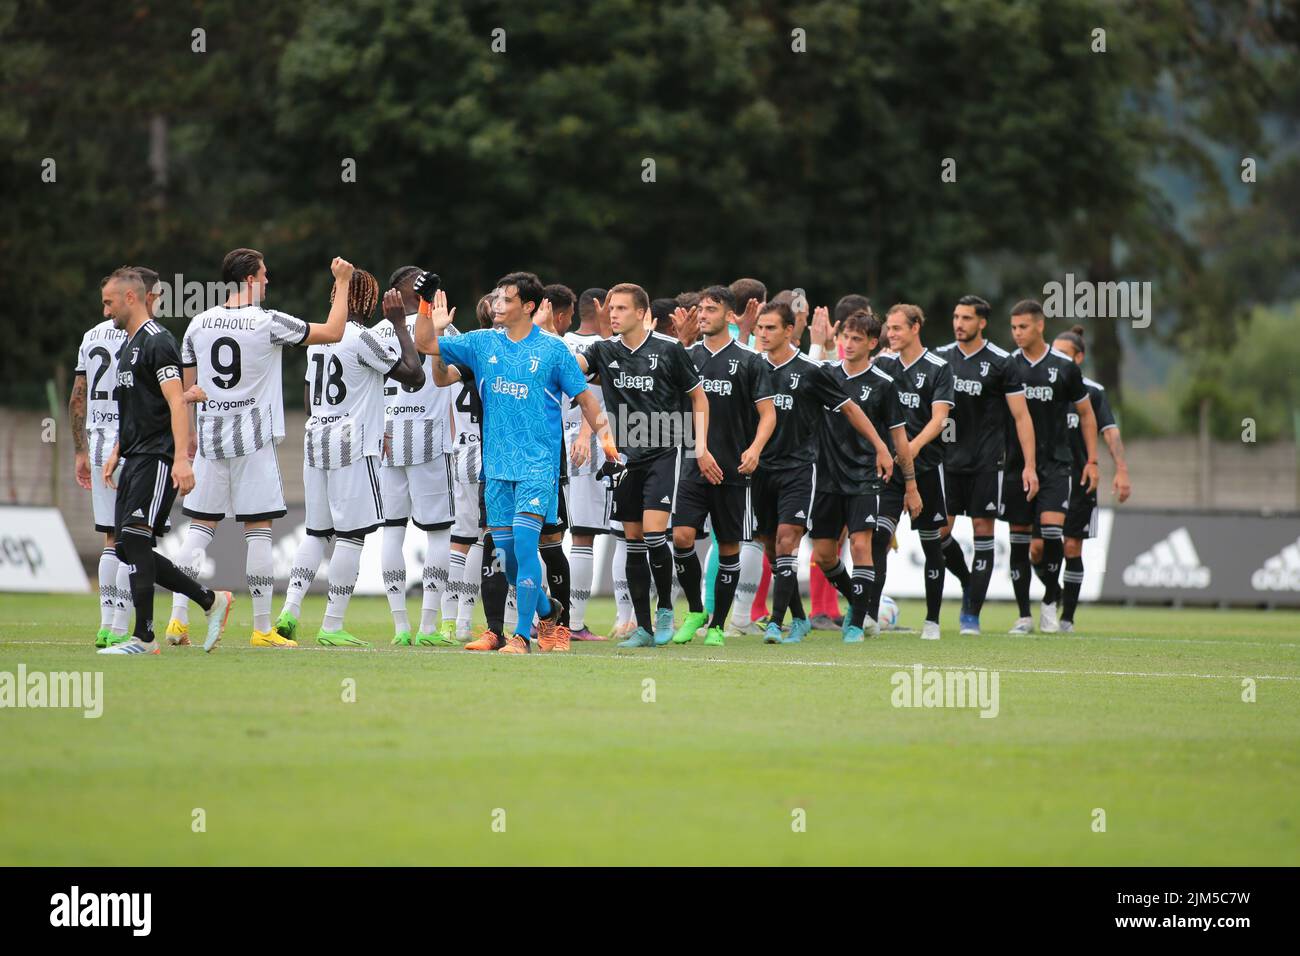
[(1140, 716)]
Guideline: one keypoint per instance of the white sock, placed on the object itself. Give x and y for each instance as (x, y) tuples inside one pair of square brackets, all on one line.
[(259, 568), (190, 560), (435, 578), (581, 562), (469, 587), (455, 577), (622, 596), (345, 564), (751, 569), (511, 617), (108, 565), (122, 612), (394, 566), (306, 562)]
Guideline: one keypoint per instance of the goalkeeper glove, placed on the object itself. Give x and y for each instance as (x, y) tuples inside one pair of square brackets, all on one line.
[(426, 285), (613, 471)]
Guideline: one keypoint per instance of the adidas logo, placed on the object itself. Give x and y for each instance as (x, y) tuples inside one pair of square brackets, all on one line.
[(666, 500), (1171, 563), (800, 514), (535, 501), (990, 507), (1280, 572), (137, 513), (939, 517), (492, 360), (614, 364)]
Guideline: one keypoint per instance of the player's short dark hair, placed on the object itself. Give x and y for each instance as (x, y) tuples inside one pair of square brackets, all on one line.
[(982, 308), (848, 305), (688, 300), (1028, 307), (911, 312), (240, 264), (746, 289), (403, 274), (780, 308), (864, 322), (719, 294), (640, 299), (529, 286), (585, 305), (148, 277), (363, 293), (130, 275), (483, 311), (1075, 337), (662, 310), (560, 296)]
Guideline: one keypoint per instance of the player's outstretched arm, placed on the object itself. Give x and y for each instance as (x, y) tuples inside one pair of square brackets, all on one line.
[(77, 419), (409, 370), (182, 473), (1091, 478), (1025, 435), (331, 330)]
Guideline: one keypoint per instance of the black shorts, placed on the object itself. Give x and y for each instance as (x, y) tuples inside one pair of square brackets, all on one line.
[(145, 493), (834, 512), (782, 496), (1080, 520), (727, 505), (974, 493), (1055, 482), (648, 486), (561, 511), (934, 504)]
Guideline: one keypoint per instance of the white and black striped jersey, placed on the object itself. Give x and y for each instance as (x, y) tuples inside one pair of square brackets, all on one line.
[(97, 360), (236, 355), (345, 385), (578, 344), (981, 383), (921, 385), (417, 421)]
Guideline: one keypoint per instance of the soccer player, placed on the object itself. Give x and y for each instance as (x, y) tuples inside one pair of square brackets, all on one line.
[(343, 441), (645, 377), (925, 393), (521, 372), (1081, 518), (154, 423), (92, 411), (232, 352), (738, 387), (555, 316), (415, 481), (1053, 384), (589, 496), (985, 387), (847, 495), (787, 472)]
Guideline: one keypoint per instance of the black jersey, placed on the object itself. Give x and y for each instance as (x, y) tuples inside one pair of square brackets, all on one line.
[(981, 383), (1105, 419), (802, 391), (735, 379), (1053, 386), (644, 388), (149, 358), (847, 465), (921, 385)]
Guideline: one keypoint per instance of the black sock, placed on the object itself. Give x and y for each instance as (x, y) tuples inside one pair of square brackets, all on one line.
[(785, 585), (1073, 582), (1020, 570), (880, 542), (1053, 554), (176, 580), (661, 565), (839, 576), (493, 588), (864, 585), (724, 588), (691, 577), (638, 584), (557, 576), (955, 560), (136, 549), (1040, 570), (934, 573), (796, 601), (981, 572)]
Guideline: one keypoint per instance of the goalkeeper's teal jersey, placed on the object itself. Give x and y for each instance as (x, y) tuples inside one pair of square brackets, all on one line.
[(523, 386)]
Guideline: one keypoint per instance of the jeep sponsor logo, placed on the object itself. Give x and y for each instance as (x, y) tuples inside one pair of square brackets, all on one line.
[(640, 383), (717, 386), (968, 386), (505, 387), (909, 399), (1039, 393)]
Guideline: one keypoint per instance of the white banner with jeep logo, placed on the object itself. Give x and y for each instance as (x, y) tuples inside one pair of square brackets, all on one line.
[(36, 552)]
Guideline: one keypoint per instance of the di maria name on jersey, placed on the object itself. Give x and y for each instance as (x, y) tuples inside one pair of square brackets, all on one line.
[(97, 360), (236, 355), (981, 382), (1053, 386), (345, 389)]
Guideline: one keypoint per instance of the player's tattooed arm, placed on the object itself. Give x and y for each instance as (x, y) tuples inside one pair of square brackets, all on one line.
[(907, 466), (766, 425), (409, 370), (77, 417), (1091, 478), (1025, 435), (1121, 486), (862, 425)]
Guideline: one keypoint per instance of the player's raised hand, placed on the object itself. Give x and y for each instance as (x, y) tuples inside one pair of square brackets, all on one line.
[(342, 269), (82, 469), (440, 316), (544, 317), (686, 322), (183, 476), (394, 309), (602, 315), (822, 333), (747, 319), (1029, 482)]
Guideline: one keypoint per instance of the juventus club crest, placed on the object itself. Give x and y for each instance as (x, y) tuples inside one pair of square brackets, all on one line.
[(732, 365), (654, 362), (920, 379), (1051, 375), (984, 369), (794, 380), (532, 364), (866, 393)]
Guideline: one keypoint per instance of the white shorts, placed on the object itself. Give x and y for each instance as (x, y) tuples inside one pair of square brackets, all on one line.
[(345, 500), (467, 523), (103, 499), (467, 461), (419, 492), (588, 502), (247, 488)]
